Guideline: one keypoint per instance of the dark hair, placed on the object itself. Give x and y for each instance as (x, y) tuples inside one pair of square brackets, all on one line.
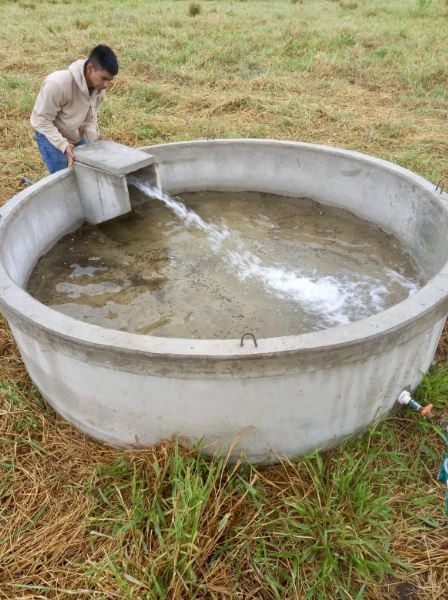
[(103, 57)]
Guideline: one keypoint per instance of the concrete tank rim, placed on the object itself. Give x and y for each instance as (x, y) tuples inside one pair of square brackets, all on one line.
[(324, 148), (20, 305)]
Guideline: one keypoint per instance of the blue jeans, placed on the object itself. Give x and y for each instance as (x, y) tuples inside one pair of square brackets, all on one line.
[(53, 158)]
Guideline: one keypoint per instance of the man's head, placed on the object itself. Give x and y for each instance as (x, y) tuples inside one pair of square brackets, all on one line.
[(101, 67)]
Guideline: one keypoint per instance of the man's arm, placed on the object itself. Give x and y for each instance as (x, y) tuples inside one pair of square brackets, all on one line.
[(48, 104)]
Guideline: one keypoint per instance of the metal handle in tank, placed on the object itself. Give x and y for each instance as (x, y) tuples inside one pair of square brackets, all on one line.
[(250, 335)]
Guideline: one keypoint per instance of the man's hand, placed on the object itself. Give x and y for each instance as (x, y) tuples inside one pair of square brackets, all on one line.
[(69, 154)]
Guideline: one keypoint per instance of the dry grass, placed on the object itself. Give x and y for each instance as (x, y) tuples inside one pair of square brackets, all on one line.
[(81, 519), (76, 517)]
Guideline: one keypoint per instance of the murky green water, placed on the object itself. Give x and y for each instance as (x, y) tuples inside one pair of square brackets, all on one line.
[(287, 266)]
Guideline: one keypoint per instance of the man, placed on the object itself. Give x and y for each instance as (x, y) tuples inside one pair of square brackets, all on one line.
[(65, 112)]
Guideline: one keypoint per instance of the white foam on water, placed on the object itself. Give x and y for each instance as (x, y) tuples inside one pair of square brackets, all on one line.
[(402, 281), (79, 271), (331, 297), (337, 300)]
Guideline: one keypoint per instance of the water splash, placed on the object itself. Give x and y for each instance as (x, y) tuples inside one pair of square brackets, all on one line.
[(336, 299)]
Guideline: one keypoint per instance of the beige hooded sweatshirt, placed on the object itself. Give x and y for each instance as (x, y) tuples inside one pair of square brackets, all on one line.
[(64, 111)]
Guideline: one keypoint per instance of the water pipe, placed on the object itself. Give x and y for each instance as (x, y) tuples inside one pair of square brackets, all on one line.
[(406, 399)]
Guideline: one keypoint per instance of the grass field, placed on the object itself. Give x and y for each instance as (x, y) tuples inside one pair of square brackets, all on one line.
[(79, 519)]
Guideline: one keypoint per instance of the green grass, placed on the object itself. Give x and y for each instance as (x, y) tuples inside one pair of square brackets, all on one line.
[(324, 532), (365, 63), (434, 387)]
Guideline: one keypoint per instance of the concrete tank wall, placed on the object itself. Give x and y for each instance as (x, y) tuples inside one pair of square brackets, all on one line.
[(263, 416), (287, 396), (37, 218)]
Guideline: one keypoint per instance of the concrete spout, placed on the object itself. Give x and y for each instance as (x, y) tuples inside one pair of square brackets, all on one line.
[(101, 169)]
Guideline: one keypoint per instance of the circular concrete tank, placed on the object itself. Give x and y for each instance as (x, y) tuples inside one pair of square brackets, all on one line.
[(288, 395)]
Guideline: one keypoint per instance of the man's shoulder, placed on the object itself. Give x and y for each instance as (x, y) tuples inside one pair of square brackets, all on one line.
[(61, 78)]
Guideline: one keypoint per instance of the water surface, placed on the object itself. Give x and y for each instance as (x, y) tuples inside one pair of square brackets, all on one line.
[(220, 264)]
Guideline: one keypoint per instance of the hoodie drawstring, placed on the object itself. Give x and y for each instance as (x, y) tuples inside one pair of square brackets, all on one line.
[(94, 117)]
